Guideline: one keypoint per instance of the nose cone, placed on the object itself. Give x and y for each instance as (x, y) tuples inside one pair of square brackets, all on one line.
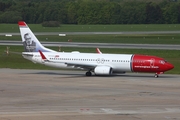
[(169, 66)]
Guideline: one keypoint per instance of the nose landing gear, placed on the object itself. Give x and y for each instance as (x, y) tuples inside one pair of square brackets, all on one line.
[(157, 74)]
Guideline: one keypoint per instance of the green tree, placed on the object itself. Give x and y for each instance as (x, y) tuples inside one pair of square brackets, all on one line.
[(133, 13), (72, 8), (171, 13), (10, 17), (153, 14)]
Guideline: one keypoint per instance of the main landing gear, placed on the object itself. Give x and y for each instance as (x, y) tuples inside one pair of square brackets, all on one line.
[(88, 73)]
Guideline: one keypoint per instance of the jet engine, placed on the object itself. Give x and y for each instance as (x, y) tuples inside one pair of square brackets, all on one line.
[(103, 70)]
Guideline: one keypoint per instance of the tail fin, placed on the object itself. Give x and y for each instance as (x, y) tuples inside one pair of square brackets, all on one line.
[(30, 42)]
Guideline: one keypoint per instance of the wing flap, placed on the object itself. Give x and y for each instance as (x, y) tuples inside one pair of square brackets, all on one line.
[(81, 66)]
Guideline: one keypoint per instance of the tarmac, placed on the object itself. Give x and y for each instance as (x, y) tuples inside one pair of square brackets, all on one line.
[(70, 95)]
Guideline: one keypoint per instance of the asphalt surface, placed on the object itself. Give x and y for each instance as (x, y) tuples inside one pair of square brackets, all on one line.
[(99, 45), (70, 95)]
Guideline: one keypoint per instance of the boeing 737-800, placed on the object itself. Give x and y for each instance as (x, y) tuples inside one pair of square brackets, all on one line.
[(99, 64)]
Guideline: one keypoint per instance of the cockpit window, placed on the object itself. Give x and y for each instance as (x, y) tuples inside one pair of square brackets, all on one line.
[(162, 61)]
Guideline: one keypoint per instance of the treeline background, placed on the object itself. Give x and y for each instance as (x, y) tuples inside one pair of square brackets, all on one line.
[(91, 11)]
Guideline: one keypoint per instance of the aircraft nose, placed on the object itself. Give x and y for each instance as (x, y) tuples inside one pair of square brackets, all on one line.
[(169, 66)]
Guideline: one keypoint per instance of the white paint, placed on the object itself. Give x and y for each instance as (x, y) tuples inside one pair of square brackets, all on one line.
[(8, 35), (62, 34)]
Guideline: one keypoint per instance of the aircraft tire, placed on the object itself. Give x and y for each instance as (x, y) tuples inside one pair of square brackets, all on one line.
[(156, 75), (88, 73)]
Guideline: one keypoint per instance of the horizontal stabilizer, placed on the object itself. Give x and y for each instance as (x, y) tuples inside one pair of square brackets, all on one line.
[(27, 54)]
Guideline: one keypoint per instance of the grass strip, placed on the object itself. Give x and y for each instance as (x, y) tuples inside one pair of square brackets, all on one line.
[(93, 28)]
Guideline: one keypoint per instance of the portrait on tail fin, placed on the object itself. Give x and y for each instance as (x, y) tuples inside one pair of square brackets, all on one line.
[(29, 44)]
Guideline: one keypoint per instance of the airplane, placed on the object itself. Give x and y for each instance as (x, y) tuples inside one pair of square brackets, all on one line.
[(97, 63)]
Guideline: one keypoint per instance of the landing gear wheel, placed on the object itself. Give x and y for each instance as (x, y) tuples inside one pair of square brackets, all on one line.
[(156, 75), (88, 73)]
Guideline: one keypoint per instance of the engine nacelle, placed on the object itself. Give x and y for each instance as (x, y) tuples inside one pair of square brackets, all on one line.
[(103, 70)]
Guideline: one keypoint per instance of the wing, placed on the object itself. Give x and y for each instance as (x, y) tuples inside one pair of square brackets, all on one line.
[(73, 65), (81, 66)]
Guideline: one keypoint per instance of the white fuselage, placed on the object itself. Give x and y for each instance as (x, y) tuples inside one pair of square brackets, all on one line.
[(119, 62)]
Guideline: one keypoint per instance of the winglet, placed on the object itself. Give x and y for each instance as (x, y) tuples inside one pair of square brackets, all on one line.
[(42, 55), (98, 51)]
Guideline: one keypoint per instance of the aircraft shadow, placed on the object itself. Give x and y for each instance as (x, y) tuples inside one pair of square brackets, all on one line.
[(148, 76), (71, 75)]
